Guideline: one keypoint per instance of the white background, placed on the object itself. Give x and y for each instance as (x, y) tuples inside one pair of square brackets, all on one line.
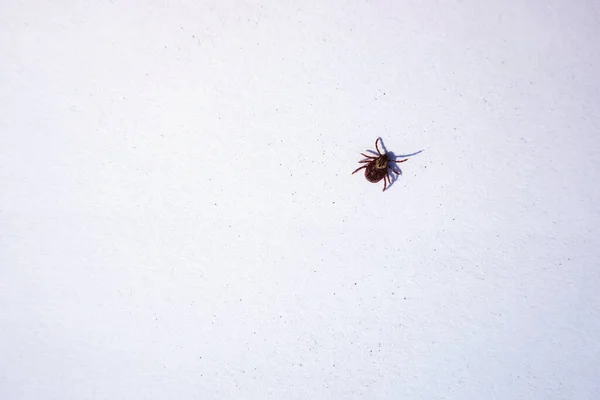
[(178, 219)]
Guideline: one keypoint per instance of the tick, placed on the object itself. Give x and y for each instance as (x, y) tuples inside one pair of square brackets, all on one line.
[(379, 167)]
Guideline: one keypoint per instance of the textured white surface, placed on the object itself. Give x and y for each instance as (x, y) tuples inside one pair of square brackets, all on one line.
[(178, 219)]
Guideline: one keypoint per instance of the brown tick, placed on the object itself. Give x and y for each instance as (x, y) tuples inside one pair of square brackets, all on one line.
[(377, 166)]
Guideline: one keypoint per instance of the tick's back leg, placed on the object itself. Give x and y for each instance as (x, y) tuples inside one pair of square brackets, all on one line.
[(358, 169), (396, 170)]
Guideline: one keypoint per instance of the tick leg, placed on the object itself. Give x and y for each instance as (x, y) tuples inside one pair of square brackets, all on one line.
[(377, 147), (358, 169), (398, 172), (385, 181), (363, 154), (398, 162)]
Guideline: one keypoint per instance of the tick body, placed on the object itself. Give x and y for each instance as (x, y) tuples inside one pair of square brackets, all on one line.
[(379, 167)]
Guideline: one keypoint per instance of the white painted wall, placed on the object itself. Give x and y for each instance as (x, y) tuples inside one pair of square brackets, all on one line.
[(178, 219)]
